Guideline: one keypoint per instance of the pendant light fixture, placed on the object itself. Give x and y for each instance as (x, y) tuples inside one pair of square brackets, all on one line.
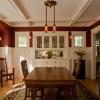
[(54, 25), (46, 26), (50, 3)]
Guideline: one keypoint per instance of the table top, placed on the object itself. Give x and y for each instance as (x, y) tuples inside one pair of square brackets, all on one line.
[(54, 75)]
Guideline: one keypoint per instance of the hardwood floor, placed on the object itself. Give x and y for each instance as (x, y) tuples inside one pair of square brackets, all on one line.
[(92, 85), (8, 86)]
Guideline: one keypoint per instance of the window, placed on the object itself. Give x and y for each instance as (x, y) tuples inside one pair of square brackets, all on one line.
[(78, 41), (22, 41)]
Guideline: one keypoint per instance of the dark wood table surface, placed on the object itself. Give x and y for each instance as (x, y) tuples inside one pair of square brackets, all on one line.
[(50, 76), (47, 77)]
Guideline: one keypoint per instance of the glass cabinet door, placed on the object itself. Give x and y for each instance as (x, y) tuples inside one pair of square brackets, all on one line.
[(39, 41), (61, 41), (54, 41), (46, 41)]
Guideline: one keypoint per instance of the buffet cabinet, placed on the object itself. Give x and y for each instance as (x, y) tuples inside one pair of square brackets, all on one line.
[(50, 50)]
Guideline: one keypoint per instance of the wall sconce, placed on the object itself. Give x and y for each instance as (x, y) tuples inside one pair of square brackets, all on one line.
[(30, 35), (0, 38)]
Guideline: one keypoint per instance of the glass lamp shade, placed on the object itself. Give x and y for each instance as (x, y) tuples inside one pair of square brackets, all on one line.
[(54, 28), (46, 28), (0, 38)]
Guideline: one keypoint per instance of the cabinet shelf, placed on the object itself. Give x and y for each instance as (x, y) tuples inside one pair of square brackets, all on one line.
[(48, 54)]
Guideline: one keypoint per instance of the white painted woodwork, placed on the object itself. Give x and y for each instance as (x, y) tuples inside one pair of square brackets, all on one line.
[(13, 55), (29, 54), (93, 49)]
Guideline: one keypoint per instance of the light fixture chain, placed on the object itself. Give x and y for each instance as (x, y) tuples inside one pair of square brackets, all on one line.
[(46, 15)]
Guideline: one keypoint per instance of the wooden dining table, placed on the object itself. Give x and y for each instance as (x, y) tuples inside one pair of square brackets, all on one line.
[(49, 77)]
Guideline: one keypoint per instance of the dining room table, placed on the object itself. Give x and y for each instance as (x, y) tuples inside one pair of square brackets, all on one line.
[(55, 78)]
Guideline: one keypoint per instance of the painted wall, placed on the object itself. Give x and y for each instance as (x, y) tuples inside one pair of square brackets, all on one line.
[(14, 54), (68, 60), (7, 35)]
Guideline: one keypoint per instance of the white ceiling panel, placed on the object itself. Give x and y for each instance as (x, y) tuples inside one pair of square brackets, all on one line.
[(9, 12), (32, 12), (92, 13)]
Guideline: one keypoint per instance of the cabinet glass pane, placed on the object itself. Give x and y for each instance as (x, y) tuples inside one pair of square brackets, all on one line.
[(61, 41), (46, 41), (39, 41), (54, 41), (46, 54)]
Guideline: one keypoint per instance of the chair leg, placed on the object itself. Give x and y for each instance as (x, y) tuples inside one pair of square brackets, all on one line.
[(70, 92), (33, 93), (13, 79), (25, 93), (1, 82), (74, 93)]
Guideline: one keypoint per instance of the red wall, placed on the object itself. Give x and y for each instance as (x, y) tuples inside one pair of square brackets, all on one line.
[(88, 38), (7, 34)]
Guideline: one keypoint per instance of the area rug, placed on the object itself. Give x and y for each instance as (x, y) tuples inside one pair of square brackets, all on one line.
[(82, 94)]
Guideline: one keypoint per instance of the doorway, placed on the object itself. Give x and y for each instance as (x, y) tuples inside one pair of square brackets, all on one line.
[(98, 54)]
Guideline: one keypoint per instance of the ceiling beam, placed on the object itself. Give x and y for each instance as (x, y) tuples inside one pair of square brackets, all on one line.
[(94, 25), (15, 6), (80, 11), (60, 28)]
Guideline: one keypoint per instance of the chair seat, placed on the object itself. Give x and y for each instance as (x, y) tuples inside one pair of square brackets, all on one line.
[(6, 73)]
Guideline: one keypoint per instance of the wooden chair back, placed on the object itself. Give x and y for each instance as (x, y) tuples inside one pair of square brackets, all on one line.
[(24, 68), (4, 71), (3, 64)]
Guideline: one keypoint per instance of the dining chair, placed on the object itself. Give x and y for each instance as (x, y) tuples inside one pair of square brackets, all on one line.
[(21, 85), (5, 72), (25, 73), (39, 92), (24, 68)]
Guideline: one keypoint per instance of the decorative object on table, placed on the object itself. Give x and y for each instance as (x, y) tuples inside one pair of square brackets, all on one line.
[(60, 54), (80, 53), (51, 54)]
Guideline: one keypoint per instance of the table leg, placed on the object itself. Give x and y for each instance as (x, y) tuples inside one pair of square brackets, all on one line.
[(33, 92), (70, 92)]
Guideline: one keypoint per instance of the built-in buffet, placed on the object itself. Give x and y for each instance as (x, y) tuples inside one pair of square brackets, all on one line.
[(50, 50)]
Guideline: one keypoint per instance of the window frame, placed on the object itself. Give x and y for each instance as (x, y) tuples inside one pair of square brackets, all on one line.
[(21, 34), (79, 34)]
